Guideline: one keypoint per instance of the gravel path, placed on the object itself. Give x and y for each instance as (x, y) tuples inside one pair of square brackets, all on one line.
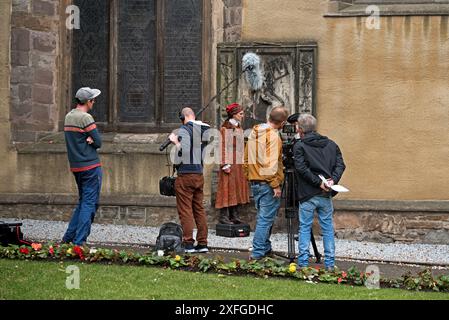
[(400, 252)]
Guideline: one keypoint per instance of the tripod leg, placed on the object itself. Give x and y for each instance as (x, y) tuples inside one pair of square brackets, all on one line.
[(290, 240), (315, 249)]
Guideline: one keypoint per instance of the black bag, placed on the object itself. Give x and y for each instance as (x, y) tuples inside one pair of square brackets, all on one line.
[(170, 238), (10, 233), (233, 230), (167, 186)]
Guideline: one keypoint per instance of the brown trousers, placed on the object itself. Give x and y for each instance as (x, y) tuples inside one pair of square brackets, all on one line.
[(189, 202)]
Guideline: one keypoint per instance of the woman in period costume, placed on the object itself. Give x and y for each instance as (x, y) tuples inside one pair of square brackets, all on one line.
[(233, 187)]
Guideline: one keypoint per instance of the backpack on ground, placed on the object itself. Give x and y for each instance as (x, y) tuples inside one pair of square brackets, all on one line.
[(170, 238)]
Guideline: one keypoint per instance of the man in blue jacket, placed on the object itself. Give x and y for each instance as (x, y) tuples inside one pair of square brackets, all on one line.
[(190, 142), (82, 140), (316, 155)]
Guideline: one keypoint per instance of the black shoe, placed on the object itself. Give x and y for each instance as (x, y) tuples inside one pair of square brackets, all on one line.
[(189, 248), (224, 217), (201, 248), (270, 254), (234, 215)]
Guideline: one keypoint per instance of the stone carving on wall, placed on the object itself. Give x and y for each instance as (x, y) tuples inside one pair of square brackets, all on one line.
[(289, 79)]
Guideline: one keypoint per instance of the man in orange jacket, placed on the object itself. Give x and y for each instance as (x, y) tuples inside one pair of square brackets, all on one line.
[(264, 169)]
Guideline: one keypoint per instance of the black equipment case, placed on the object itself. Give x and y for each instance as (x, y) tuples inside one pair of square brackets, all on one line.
[(233, 230), (10, 233)]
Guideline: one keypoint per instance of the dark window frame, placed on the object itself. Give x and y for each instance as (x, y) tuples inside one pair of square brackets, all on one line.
[(113, 124)]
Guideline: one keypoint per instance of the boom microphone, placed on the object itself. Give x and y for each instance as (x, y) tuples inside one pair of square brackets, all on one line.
[(251, 66), (165, 145)]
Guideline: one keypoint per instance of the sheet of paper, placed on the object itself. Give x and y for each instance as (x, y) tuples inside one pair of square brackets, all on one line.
[(335, 187)]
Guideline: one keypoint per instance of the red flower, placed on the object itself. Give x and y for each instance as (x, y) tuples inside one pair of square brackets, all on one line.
[(79, 251), (344, 274), (24, 250), (340, 280), (51, 250), (317, 268)]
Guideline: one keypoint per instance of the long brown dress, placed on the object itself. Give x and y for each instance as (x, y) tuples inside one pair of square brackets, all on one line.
[(233, 187)]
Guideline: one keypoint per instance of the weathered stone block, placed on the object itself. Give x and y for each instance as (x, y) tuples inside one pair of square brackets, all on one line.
[(43, 76), (20, 39), (393, 225), (232, 3), (109, 213), (24, 20), (44, 41), (43, 94), (20, 58), (21, 75), (419, 224), (232, 34), (437, 236), (347, 221), (44, 61), (43, 8), (21, 5), (236, 17), (135, 215), (14, 91), (22, 110), (156, 216), (24, 92), (23, 136), (32, 126), (41, 113)]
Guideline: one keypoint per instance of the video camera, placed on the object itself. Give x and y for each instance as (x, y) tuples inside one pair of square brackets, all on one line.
[(289, 140)]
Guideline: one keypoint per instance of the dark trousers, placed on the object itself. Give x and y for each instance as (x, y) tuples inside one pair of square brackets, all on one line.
[(89, 186), (189, 202)]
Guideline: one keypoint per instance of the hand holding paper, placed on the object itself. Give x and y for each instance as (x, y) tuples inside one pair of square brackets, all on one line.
[(335, 187)]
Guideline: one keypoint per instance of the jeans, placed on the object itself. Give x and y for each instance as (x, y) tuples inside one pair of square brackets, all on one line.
[(267, 206), (325, 211), (89, 186)]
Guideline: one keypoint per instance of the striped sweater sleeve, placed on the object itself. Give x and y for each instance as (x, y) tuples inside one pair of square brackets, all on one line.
[(90, 127)]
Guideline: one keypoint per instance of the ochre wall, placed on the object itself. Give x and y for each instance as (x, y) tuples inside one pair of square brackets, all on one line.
[(382, 95), (7, 158)]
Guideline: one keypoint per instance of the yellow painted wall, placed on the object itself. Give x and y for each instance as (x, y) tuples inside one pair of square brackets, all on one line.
[(7, 157), (382, 95)]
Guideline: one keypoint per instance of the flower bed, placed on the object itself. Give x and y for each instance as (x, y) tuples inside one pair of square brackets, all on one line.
[(197, 263)]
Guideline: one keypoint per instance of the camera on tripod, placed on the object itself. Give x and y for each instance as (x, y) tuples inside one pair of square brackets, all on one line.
[(289, 138), (289, 188)]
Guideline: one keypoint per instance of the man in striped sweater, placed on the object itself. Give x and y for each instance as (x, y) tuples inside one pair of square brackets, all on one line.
[(82, 140)]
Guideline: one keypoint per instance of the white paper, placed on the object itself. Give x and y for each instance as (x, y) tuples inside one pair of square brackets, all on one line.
[(335, 187)]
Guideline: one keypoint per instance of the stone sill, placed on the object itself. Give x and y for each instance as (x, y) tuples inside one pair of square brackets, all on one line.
[(358, 10), (428, 206), (113, 143), (70, 199), (437, 206)]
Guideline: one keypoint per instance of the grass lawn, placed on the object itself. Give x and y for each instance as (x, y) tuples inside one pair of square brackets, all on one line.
[(21, 279)]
